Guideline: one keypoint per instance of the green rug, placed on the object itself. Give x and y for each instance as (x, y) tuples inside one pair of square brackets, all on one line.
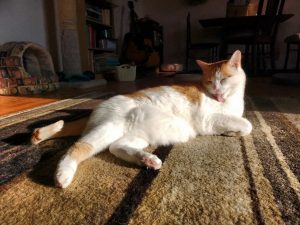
[(208, 180)]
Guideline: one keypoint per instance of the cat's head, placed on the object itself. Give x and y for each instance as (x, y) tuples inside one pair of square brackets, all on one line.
[(224, 78)]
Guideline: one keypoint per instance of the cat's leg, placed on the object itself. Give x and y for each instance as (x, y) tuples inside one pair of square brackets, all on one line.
[(230, 125), (131, 149), (91, 143), (59, 129)]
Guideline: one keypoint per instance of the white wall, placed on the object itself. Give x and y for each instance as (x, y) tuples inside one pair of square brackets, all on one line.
[(22, 20)]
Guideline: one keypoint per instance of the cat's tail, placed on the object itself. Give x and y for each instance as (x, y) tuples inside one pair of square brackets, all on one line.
[(59, 129)]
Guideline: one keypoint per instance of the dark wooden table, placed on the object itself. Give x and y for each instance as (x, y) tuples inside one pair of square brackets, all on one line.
[(228, 25), (240, 21)]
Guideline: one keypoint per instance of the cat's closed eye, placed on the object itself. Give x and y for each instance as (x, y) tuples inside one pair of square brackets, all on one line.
[(223, 80)]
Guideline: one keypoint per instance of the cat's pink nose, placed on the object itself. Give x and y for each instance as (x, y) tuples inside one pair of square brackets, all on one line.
[(217, 90)]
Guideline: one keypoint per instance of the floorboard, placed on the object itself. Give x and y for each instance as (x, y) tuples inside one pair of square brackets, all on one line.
[(255, 87)]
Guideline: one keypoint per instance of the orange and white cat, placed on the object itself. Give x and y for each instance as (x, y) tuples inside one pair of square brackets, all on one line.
[(127, 124)]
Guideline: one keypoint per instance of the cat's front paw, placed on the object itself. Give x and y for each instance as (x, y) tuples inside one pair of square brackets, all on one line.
[(152, 161), (232, 133), (247, 128), (63, 178), (65, 173), (242, 128)]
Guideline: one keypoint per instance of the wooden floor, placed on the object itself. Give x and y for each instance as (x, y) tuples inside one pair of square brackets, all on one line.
[(255, 87)]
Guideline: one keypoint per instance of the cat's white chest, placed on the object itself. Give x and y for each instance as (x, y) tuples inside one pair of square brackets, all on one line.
[(231, 106), (211, 109)]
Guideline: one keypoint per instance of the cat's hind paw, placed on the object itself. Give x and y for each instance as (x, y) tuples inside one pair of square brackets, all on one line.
[(44, 133), (35, 138), (152, 161)]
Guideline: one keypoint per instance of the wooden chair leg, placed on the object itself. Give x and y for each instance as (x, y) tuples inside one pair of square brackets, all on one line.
[(258, 57), (223, 50), (187, 60), (298, 57), (213, 54), (272, 56), (246, 55), (216, 57), (254, 59), (287, 53), (263, 53)]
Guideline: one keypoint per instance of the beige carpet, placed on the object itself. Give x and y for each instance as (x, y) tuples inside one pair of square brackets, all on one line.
[(209, 180)]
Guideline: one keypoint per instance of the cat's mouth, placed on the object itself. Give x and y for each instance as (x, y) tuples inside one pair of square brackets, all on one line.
[(219, 97)]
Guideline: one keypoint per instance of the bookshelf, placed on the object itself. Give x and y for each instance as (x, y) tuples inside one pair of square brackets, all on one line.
[(96, 33)]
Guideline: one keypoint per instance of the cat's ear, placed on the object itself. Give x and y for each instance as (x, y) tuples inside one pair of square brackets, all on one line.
[(235, 60), (203, 65)]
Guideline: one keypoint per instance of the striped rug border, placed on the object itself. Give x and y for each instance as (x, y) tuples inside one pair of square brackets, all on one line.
[(277, 151), (285, 184), (21, 116), (264, 204)]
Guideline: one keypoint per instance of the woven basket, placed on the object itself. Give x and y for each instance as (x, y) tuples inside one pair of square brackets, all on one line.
[(26, 68), (126, 72)]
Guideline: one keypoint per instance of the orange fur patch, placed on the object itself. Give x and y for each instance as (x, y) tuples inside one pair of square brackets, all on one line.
[(209, 71), (154, 89), (36, 135), (192, 92), (80, 151), (141, 94), (150, 148), (73, 128), (137, 94), (226, 70)]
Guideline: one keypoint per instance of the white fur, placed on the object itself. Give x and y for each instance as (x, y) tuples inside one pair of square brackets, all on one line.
[(65, 171), (47, 131), (128, 125)]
